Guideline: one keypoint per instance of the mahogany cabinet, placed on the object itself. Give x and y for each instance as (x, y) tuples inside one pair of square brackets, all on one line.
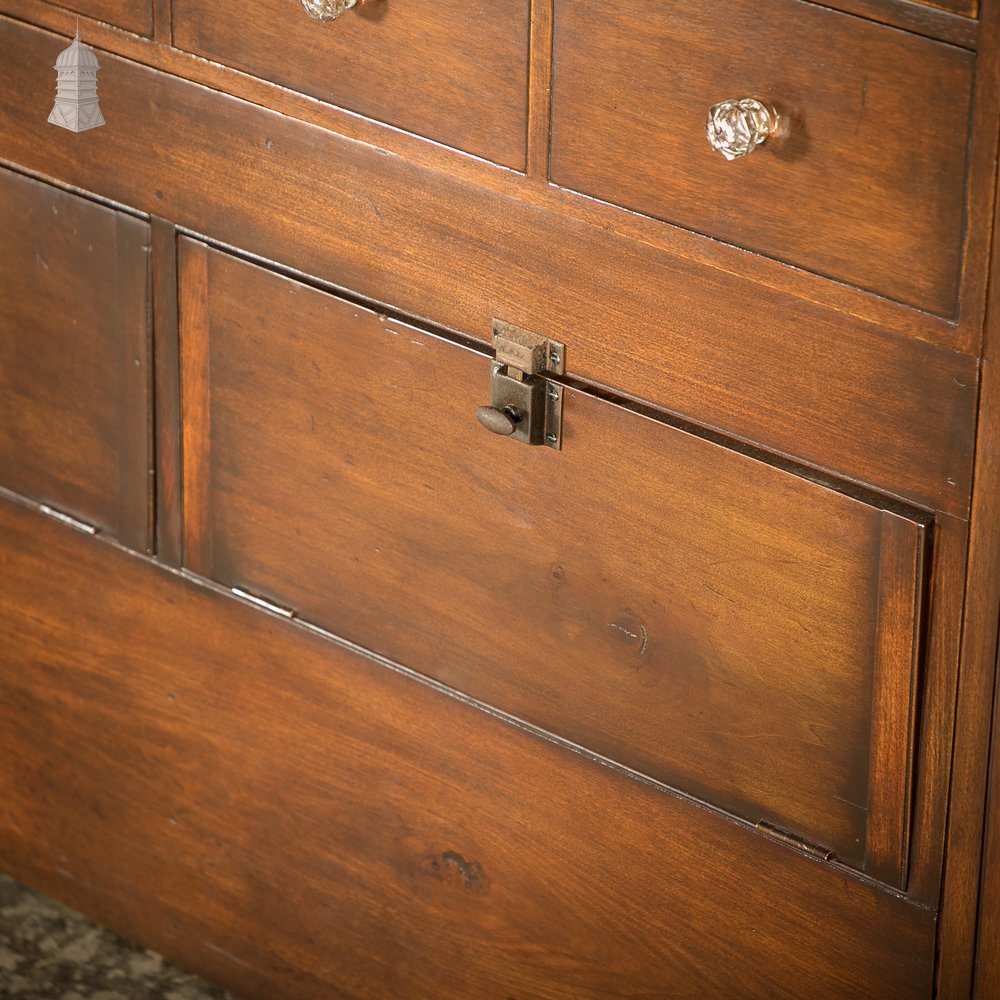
[(679, 685)]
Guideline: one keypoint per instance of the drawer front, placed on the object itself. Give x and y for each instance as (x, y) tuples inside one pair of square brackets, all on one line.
[(704, 618), (453, 71), (133, 15), (74, 425), (299, 822), (865, 182)]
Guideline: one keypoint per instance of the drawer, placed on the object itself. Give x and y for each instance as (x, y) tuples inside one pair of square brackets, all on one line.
[(865, 180), (74, 331), (721, 625), (133, 15), (302, 823), (453, 71)]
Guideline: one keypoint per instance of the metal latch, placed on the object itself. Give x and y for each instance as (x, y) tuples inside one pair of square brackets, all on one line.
[(524, 404)]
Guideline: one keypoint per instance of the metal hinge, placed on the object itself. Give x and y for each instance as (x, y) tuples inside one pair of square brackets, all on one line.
[(524, 404), (68, 519), (262, 602), (793, 840)]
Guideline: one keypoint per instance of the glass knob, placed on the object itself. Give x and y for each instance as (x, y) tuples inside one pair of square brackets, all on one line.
[(736, 128), (327, 10)]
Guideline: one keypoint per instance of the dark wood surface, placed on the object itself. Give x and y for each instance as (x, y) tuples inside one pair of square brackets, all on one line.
[(651, 324), (534, 187), (964, 875), (452, 70), (969, 8), (133, 15), (275, 806), (868, 173), (709, 620), (987, 978), (74, 367), (933, 19), (167, 391), (848, 382)]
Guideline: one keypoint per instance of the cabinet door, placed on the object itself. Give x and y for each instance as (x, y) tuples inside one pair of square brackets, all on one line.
[(702, 617), (74, 332)]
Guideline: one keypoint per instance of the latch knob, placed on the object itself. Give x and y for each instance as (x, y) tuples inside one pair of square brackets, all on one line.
[(499, 421)]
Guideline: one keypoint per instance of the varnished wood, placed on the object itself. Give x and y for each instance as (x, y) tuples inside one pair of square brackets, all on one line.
[(162, 26), (74, 430), (132, 15), (130, 307), (977, 680), (936, 697), (651, 325), (540, 90), (843, 299), (976, 676), (167, 396), (980, 196), (322, 491), (415, 846), (969, 8), (987, 974), (949, 21), (409, 64), (842, 192), (901, 598), (195, 406), (677, 327)]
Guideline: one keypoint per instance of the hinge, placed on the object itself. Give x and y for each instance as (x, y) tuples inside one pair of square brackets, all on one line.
[(262, 602), (524, 404), (68, 519), (793, 840)]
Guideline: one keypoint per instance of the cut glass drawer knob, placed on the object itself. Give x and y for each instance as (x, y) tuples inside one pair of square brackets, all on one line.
[(738, 127), (327, 10)]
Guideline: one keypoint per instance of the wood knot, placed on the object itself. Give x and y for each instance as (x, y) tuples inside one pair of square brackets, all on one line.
[(451, 867)]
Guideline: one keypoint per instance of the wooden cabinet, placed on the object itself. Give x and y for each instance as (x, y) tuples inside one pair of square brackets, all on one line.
[(370, 702)]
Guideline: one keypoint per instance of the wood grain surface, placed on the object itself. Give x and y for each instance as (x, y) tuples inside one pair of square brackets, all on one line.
[(167, 391), (132, 15), (865, 182), (533, 187), (702, 617), (452, 70), (290, 819), (987, 975), (970, 813), (650, 324), (74, 357)]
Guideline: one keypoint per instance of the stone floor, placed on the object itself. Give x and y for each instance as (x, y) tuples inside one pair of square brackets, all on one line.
[(50, 953)]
